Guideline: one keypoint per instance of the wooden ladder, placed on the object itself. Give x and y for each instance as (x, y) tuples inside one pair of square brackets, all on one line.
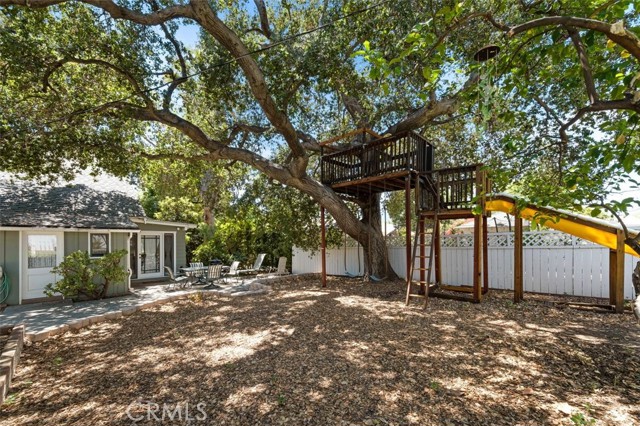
[(427, 226)]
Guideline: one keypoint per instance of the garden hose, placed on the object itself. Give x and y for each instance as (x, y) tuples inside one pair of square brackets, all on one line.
[(4, 286)]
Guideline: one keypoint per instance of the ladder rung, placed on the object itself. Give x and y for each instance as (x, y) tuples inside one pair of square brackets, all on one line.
[(421, 269), (420, 296), (419, 282)]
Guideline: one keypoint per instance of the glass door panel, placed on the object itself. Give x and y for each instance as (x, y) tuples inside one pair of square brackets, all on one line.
[(150, 262)]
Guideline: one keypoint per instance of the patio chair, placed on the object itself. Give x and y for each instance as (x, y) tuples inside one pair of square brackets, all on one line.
[(214, 273), (282, 266), (233, 269), (256, 265), (200, 274), (180, 281)]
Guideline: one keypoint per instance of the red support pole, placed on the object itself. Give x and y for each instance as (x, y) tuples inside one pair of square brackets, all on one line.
[(323, 248), (407, 222), (518, 262), (423, 255)]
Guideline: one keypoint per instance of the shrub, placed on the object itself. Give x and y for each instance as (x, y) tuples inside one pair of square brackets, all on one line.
[(83, 276)]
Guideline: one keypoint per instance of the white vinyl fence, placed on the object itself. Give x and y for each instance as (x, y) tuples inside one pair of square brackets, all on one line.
[(554, 263)]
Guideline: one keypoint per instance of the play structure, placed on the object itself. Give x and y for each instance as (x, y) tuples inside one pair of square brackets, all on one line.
[(371, 164)]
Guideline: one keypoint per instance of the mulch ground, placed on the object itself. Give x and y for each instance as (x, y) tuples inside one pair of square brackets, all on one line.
[(348, 354)]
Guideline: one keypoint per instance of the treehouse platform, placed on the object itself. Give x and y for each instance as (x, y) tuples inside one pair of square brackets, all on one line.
[(381, 164), (366, 163), (452, 193)]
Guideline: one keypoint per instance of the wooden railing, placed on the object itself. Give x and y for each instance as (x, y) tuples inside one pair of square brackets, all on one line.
[(406, 151), (456, 188)]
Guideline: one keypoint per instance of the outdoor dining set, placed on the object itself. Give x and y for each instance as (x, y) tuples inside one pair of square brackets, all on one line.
[(209, 276)]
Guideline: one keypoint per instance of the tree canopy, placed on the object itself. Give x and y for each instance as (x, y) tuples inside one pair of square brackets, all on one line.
[(110, 84)]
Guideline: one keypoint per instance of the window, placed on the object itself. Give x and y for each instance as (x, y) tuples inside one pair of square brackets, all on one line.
[(98, 245), (41, 251)]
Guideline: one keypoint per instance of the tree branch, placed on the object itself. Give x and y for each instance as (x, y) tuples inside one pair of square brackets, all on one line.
[(620, 104), (616, 32), (183, 64), (207, 18), (59, 64), (264, 18), (584, 63), (355, 110), (170, 156), (114, 10), (429, 112), (243, 128), (550, 112)]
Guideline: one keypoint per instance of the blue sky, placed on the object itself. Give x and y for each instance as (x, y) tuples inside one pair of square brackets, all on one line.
[(188, 34)]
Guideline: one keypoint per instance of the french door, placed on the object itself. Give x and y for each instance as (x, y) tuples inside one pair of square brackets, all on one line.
[(156, 250)]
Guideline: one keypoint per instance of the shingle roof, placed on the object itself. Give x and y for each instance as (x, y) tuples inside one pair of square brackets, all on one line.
[(66, 205)]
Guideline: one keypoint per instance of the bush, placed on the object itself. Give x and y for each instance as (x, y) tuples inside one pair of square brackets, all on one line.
[(83, 276), (212, 249)]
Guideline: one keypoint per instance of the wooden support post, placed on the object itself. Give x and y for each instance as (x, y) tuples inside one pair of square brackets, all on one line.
[(437, 252), (616, 274), (423, 287), (407, 223), (485, 257), (323, 248), (477, 258), (518, 287)]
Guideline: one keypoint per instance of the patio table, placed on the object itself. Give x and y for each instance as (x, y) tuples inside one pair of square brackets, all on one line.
[(197, 272)]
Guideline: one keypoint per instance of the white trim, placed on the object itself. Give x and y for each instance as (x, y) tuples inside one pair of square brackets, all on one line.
[(60, 229), (160, 272), (149, 221), (24, 269), (130, 272), (19, 267), (89, 234), (161, 234)]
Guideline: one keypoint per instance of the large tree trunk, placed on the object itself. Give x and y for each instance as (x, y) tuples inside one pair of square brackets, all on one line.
[(367, 232), (376, 256)]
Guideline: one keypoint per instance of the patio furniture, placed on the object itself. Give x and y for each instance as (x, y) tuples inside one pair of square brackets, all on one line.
[(179, 281), (282, 266), (233, 269), (214, 273), (256, 265), (197, 272)]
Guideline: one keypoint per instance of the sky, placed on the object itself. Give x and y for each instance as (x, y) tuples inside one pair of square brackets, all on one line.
[(189, 34)]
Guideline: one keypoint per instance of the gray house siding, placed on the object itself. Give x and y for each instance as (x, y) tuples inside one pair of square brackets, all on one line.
[(181, 249), (119, 241), (10, 262), (74, 241)]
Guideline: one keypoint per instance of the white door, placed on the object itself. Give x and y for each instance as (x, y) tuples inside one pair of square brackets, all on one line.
[(151, 259), (42, 251)]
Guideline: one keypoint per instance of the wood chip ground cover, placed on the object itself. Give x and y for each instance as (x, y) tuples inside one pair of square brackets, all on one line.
[(348, 354)]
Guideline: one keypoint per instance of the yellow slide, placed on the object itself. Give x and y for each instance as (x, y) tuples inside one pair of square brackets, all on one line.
[(585, 227)]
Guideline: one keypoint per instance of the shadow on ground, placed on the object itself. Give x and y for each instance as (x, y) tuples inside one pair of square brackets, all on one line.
[(349, 354)]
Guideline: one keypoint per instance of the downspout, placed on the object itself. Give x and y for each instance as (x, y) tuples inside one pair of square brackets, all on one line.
[(129, 261)]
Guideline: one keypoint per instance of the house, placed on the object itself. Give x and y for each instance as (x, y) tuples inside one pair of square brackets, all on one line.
[(39, 225), (498, 222)]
